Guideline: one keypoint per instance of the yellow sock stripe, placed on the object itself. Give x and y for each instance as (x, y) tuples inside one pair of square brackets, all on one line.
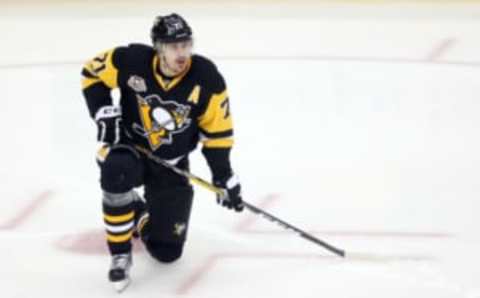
[(118, 218), (119, 238)]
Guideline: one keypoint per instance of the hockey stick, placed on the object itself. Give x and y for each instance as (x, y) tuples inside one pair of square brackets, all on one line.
[(199, 181)]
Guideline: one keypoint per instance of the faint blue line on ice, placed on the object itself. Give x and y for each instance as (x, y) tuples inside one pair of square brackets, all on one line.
[(274, 58)]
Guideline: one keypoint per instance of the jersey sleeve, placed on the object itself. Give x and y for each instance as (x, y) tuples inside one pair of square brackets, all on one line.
[(216, 129), (99, 77), (216, 125)]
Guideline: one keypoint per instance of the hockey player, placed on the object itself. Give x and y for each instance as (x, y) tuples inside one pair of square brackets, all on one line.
[(170, 100)]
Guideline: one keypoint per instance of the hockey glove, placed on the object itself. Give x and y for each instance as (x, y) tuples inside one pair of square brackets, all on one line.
[(109, 124), (231, 197)]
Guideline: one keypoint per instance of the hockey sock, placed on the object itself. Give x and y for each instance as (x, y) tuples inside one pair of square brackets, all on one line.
[(118, 215)]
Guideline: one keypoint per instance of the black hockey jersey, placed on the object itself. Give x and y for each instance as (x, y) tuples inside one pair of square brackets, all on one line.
[(168, 118)]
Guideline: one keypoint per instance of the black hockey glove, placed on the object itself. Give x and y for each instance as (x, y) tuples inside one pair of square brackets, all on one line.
[(232, 196), (109, 124)]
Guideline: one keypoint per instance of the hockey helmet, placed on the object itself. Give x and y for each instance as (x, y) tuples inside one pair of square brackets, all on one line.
[(170, 28)]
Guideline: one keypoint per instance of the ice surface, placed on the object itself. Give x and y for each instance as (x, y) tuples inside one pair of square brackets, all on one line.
[(360, 126)]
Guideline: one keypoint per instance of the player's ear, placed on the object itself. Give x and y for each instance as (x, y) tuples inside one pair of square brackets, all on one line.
[(158, 46)]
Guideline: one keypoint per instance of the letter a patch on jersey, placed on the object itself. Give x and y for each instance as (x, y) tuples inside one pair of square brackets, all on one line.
[(161, 120), (195, 95)]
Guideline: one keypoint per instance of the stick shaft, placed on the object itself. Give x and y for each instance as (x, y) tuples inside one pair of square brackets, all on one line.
[(290, 227), (199, 181)]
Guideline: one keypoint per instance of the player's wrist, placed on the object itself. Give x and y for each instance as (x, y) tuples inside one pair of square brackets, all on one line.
[(107, 112), (232, 196), (109, 124)]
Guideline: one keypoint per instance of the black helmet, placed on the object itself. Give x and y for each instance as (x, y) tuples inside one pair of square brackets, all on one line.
[(170, 28)]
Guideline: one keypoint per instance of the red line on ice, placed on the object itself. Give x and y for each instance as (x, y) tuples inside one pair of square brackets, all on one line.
[(246, 225), (249, 221), (294, 58), (370, 234), (26, 212), (210, 263), (440, 49), (193, 279)]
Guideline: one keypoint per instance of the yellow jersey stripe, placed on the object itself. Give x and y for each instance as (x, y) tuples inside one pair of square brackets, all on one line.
[(102, 67), (216, 117), (103, 153), (218, 143), (87, 82)]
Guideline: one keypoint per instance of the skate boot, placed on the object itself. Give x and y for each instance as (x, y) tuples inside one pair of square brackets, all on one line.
[(141, 225), (119, 271), (140, 208)]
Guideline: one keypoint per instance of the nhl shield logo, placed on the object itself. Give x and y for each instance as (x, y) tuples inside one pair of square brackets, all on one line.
[(137, 84)]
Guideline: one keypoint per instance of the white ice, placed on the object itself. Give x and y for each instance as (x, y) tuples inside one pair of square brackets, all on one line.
[(356, 122)]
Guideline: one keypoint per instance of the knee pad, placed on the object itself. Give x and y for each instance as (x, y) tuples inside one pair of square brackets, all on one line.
[(121, 171), (165, 252)]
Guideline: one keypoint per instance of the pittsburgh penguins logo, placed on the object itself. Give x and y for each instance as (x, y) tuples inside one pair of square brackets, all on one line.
[(161, 120)]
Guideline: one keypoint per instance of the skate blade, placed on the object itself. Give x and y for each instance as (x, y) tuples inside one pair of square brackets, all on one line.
[(121, 285)]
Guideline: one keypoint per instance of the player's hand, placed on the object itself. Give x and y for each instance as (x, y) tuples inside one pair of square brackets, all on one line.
[(109, 124), (232, 196)]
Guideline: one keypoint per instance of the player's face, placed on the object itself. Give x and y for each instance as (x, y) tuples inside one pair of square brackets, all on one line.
[(176, 55)]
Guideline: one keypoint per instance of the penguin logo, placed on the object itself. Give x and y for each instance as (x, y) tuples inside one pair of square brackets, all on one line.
[(179, 229), (161, 120)]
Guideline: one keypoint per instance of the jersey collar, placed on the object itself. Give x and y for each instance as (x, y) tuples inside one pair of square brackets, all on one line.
[(167, 86)]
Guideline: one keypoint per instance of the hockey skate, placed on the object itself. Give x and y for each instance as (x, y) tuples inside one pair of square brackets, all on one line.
[(119, 271), (140, 208)]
